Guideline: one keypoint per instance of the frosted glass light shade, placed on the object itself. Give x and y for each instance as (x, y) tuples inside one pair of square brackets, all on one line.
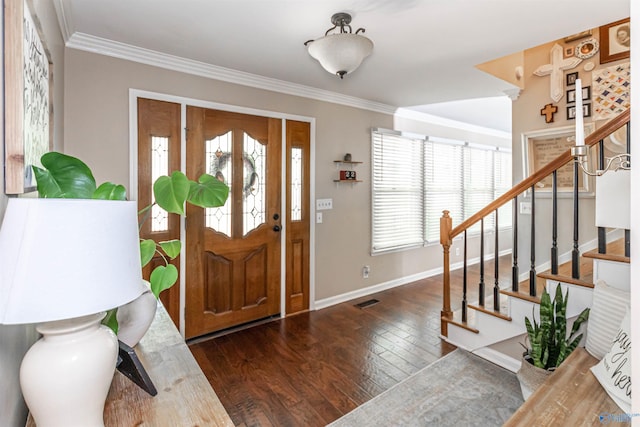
[(340, 53), (65, 258), (613, 199)]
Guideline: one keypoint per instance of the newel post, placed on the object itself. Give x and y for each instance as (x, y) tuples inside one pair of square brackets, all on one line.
[(445, 241)]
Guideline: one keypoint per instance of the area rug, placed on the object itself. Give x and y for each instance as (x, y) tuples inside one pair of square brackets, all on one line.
[(460, 389)]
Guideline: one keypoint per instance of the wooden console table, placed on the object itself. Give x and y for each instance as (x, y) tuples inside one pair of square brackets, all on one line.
[(571, 396), (185, 397)]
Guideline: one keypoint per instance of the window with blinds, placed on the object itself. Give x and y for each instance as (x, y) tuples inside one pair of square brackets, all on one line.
[(398, 220), (415, 178)]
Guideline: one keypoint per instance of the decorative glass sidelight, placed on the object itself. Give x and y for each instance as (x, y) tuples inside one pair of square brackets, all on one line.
[(254, 188), (218, 160), (296, 184), (159, 167)]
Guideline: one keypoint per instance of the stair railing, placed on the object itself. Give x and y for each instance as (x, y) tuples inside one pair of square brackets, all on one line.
[(448, 233)]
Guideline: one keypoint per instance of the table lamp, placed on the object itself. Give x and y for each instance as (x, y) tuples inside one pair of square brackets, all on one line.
[(64, 262)]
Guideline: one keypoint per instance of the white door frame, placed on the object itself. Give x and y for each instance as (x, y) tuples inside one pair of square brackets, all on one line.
[(134, 94)]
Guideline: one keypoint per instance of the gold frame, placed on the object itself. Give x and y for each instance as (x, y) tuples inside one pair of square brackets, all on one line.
[(28, 83)]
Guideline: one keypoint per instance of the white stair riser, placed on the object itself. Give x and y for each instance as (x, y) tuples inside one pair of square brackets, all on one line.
[(615, 274), (579, 296), (492, 329)]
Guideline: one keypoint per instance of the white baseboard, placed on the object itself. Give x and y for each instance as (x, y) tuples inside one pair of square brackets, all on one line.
[(359, 293), (498, 358)]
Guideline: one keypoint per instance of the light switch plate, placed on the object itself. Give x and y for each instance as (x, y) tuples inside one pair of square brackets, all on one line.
[(324, 204)]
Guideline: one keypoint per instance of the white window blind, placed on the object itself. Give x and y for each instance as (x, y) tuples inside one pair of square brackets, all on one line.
[(397, 191), (414, 180), (444, 176)]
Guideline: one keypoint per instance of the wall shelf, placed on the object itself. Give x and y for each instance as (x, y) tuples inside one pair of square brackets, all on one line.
[(346, 163), (349, 164)]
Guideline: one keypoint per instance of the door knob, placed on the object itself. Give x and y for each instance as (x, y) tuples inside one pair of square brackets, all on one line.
[(276, 228)]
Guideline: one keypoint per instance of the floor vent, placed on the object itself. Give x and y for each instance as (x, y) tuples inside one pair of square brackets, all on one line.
[(367, 303)]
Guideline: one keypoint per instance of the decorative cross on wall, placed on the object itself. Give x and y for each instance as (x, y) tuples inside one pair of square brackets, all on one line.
[(548, 111), (555, 69)]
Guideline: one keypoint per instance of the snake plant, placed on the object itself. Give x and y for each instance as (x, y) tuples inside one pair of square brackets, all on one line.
[(549, 342), (64, 176)]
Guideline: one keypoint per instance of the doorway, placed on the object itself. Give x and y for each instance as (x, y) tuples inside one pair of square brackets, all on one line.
[(234, 270)]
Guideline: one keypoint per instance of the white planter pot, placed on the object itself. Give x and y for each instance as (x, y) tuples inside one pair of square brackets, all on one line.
[(530, 377), (135, 318)]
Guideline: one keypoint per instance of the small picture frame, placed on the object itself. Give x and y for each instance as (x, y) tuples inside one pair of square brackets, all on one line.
[(571, 78), (586, 94), (615, 41), (568, 52), (571, 111)]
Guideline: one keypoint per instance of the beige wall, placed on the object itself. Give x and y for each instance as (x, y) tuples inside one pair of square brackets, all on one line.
[(16, 340), (527, 118), (97, 130)]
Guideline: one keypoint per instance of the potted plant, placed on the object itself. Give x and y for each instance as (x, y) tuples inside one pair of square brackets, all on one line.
[(549, 343), (64, 176)]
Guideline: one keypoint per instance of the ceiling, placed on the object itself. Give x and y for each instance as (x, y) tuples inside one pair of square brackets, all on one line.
[(424, 50)]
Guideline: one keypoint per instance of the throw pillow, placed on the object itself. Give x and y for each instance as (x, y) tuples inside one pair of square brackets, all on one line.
[(606, 313), (614, 370)]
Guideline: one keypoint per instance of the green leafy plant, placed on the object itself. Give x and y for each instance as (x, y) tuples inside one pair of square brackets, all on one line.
[(549, 343), (64, 176)]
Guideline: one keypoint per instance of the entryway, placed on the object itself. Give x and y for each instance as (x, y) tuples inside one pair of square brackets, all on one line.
[(233, 269)]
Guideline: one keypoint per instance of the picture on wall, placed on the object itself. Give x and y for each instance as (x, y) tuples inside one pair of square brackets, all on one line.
[(586, 94), (571, 111), (611, 91), (615, 40), (27, 96), (542, 146), (571, 78)]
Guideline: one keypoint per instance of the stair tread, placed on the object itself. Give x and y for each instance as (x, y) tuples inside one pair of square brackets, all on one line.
[(615, 252), (488, 307), (523, 290), (456, 319), (586, 282)]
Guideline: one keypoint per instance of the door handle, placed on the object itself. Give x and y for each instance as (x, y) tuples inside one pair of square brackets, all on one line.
[(276, 228)]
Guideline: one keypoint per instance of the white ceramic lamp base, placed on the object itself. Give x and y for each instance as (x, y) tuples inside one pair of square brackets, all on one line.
[(66, 375)]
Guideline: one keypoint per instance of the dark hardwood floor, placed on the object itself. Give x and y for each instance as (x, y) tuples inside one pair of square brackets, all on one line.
[(312, 368)]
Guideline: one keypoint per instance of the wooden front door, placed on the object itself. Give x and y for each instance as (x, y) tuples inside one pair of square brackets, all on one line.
[(298, 216), (159, 154), (233, 253)]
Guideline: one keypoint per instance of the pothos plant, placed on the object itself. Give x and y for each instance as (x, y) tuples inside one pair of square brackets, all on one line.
[(549, 342), (64, 176)]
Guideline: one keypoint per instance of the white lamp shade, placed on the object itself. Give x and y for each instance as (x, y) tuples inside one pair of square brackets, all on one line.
[(65, 258), (342, 52), (613, 200)]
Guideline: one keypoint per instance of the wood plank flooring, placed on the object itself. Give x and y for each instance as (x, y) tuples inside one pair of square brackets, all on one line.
[(312, 368)]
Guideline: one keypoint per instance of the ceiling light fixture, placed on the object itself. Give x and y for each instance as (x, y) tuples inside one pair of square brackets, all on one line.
[(342, 52)]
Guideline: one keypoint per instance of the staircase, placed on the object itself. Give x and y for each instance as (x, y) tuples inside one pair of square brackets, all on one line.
[(492, 323)]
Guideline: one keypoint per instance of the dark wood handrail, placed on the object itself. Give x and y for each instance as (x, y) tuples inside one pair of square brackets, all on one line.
[(592, 139)]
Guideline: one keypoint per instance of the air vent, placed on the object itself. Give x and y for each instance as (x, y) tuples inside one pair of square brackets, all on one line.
[(367, 303)]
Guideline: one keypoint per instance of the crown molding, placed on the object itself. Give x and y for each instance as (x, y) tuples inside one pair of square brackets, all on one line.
[(436, 120), (101, 46), (63, 19)]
